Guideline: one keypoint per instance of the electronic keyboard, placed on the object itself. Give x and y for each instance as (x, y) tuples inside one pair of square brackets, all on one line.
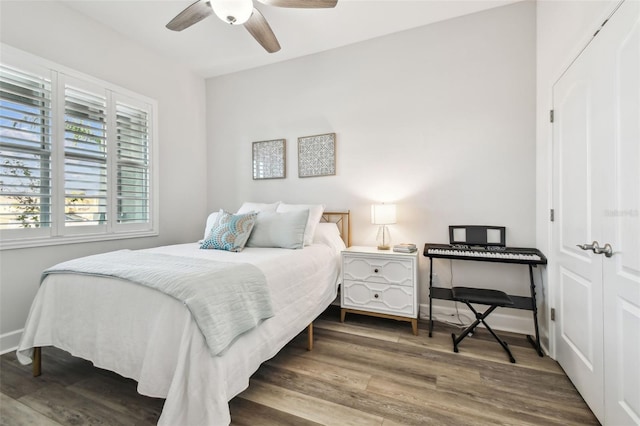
[(520, 255)]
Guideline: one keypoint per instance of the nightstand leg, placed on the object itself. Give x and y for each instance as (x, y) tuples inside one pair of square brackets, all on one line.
[(343, 313), (414, 326)]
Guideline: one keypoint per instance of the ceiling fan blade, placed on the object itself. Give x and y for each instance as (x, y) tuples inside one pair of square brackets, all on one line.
[(191, 15), (302, 4), (259, 28)]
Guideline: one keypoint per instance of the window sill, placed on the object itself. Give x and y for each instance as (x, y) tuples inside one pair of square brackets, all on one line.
[(74, 239)]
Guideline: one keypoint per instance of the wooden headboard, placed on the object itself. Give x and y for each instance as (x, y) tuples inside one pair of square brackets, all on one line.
[(343, 221)]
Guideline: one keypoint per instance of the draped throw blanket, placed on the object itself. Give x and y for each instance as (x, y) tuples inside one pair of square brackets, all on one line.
[(225, 299)]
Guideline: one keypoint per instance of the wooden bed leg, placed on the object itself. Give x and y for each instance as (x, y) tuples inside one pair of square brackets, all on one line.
[(37, 361), (310, 336)]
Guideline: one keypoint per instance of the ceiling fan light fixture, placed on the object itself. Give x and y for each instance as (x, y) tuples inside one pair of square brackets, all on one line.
[(234, 12)]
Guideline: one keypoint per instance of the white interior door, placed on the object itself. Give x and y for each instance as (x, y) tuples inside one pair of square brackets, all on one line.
[(597, 197), (578, 273), (622, 225)]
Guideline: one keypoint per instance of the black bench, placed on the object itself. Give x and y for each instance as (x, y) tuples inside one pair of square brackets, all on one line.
[(482, 296)]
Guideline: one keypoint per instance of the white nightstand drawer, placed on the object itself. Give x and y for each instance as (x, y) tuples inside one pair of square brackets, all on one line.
[(379, 270), (379, 297)]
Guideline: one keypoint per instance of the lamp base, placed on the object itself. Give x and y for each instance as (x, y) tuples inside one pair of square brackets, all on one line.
[(383, 238)]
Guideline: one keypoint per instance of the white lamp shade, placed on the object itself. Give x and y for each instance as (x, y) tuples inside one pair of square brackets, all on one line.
[(234, 12), (383, 214)]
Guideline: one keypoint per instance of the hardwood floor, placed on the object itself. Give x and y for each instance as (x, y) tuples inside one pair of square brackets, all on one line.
[(367, 371)]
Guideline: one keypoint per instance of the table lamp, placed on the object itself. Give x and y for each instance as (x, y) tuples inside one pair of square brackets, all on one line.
[(383, 215)]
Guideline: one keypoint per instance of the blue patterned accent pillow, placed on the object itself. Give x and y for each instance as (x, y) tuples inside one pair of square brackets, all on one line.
[(230, 231)]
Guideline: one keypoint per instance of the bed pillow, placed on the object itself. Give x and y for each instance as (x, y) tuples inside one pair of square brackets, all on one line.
[(211, 220), (230, 231), (315, 213), (329, 235), (281, 230), (248, 206)]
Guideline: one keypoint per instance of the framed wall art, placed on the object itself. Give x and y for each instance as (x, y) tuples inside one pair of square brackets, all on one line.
[(269, 159), (317, 155)]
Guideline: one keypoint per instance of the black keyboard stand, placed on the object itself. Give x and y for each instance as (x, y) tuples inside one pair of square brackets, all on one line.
[(519, 302)]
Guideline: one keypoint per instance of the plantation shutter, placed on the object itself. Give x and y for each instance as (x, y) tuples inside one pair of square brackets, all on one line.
[(25, 149), (85, 157), (76, 156), (133, 184)]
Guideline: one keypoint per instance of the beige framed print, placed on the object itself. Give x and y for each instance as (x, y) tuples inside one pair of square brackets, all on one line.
[(269, 159), (317, 155)]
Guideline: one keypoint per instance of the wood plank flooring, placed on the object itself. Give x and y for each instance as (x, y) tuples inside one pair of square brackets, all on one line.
[(366, 371)]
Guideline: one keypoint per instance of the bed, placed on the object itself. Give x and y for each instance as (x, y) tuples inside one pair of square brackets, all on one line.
[(144, 334)]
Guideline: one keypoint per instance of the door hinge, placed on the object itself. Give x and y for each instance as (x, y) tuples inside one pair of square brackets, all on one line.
[(551, 115), (553, 314), (598, 30), (552, 215)]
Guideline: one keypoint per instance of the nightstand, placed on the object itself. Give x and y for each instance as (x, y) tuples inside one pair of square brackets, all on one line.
[(380, 283)]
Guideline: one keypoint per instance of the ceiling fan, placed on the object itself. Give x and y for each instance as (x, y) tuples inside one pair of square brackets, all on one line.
[(242, 12)]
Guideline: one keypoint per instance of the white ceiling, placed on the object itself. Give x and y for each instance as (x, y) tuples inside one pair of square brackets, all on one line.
[(211, 47)]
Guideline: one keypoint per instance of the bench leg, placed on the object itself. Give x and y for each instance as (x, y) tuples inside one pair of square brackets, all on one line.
[(464, 334), (480, 318), (502, 342)]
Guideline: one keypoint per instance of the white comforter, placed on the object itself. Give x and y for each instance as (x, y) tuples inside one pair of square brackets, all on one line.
[(145, 335)]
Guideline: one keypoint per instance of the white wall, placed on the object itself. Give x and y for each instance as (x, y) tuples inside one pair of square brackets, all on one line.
[(563, 29), (57, 33), (439, 119)]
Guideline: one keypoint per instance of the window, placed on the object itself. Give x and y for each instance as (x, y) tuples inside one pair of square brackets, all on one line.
[(132, 163), (76, 157), (25, 144), (85, 158)]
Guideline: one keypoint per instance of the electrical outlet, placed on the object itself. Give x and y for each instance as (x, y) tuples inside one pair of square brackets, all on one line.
[(435, 279)]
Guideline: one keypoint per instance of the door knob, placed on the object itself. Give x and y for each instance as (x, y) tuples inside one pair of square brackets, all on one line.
[(607, 250), (593, 246)]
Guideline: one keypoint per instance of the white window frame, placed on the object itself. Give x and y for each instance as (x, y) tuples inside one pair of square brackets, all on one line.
[(58, 233)]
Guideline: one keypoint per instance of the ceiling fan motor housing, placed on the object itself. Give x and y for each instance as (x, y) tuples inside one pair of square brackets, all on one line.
[(234, 12)]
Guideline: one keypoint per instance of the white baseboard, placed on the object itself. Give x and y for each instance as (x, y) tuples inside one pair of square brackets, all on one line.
[(9, 341), (497, 320)]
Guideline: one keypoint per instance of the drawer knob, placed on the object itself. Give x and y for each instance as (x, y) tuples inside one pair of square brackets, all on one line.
[(375, 270), (376, 295)]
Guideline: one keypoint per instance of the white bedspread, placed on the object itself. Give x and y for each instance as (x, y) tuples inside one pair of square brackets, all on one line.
[(145, 335), (225, 298)]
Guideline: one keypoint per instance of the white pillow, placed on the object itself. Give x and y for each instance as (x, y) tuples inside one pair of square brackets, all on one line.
[(329, 235), (282, 230), (315, 213), (248, 206), (210, 221)]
